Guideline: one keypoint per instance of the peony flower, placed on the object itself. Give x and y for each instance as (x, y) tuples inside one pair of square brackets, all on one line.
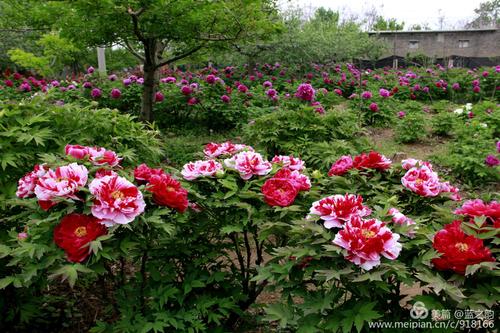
[(455, 86), (279, 192), (159, 97), (491, 160), (366, 95), (341, 166), (90, 70), (112, 77), (209, 168), (400, 218), (374, 107), (248, 164), (372, 160), (458, 250), (192, 101), (290, 162), (300, 182), (74, 232), (305, 92), (115, 93), (143, 173), (214, 150), (271, 93), (210, 79), (242, 88), (410, 163), (86, 85), (498, 146), (76, 151), (225, 99), (127, 82), (422, 180), (26, 185), (477, 207), (401, 114), (186, 90), (168, 192), (64, 182), (116, 200), (101, 156), (96, 93), (384, 93), (337, 209), (366, 241)]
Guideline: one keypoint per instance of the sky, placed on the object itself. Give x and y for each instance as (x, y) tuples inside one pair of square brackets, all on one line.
[(455, 12)]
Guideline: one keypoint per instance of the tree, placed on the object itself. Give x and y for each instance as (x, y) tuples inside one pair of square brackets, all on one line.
[(487, 15), (381, 24), (157, 32)]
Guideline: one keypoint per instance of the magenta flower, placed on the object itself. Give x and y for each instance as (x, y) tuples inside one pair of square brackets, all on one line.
[(305, 92), (267, 84), (127, 82), (374, 107), (401, 114), (211, 79), (115, 93), (90, 70), (186, 90), (96, 93), (159, 97), (87, 85), (271, 93), (455, 86), (112, 77), (491, 161), (476, 89), (384, 93), (225, 99), (366, 94), (192, 101), (498, 146)]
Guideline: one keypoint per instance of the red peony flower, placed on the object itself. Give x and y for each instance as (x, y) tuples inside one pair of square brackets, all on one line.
[(300, 181), (279, 192), (458, 250), (168, 192), (372, 160), (74, 232), (142, 173), (366, 240)]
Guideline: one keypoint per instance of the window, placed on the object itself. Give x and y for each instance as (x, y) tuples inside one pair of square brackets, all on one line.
[(463, 43), (413, 44)]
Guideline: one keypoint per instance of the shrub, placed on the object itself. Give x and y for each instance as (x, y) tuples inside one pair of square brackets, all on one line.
[(443, 123), (411, 128), (36, 127)]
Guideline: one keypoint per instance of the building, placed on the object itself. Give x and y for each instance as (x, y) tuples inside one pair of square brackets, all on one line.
[(468, 48)]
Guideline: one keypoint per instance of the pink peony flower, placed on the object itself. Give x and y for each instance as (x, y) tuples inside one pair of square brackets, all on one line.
[(337, 209), (100, 156), (225, 99), (186, 90), (422, 180), (290, 162), (341, 166), (366, 241), (400, 218), (477, 207), (76, 151), (384, 93), (159, 97), (372, 160), (300, 182), (26, 185), (90, 70), (209, 168), (305, 92), (116, 200), (248, 164), (64, 182), (366, 95)]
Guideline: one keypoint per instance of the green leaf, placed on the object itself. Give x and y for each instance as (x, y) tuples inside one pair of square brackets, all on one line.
[(6, 281)]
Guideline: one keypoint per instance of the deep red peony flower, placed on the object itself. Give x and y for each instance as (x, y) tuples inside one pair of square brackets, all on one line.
[(279, 192), (74, 232), (458, 250), (168, 192), (300, 181), (372, 160)]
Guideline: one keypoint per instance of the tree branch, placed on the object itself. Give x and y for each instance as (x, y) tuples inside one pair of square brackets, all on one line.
[(135, 21), (180, 56), (132, 50)]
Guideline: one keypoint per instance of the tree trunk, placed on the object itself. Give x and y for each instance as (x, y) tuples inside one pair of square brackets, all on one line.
[(151, 76)]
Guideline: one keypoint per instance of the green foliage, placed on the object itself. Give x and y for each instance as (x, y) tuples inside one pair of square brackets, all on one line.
[(443, 123), (30, 61), (411, 128), (33, 128)]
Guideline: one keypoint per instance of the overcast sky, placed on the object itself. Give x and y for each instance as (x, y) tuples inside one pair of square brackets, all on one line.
[(455, 12)]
